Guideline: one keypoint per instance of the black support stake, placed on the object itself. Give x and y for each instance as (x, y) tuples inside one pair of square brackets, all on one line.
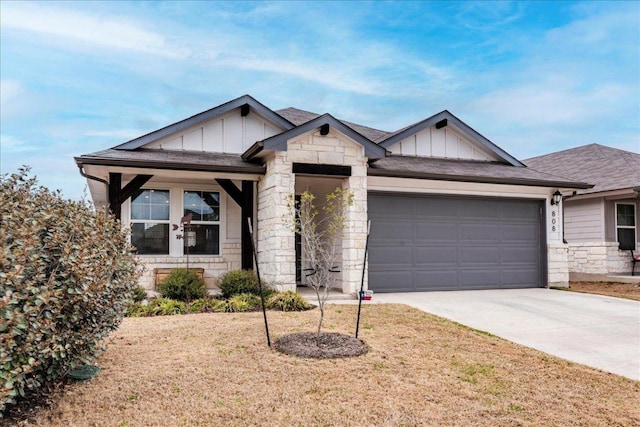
[(364, 266), (255, 258)]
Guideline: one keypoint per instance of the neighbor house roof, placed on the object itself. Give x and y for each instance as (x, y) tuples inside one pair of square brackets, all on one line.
[(466, 171), (606, 167)]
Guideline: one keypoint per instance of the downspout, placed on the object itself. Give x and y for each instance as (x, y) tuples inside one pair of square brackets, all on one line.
[(94, 178)]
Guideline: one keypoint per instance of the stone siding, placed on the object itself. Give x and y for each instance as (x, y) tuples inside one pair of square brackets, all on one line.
[(276, 240), (557, 261), (598, 258), (214, 266)]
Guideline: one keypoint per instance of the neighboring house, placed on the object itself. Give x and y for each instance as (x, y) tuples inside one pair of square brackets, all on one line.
[(448, 208), (600, 223)]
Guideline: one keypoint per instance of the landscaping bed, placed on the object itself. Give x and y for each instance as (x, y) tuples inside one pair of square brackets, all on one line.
[(620, 290), (215, 369)]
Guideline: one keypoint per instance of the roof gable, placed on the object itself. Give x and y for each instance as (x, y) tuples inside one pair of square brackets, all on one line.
[(245, 101), (279, 142), (486, 150)]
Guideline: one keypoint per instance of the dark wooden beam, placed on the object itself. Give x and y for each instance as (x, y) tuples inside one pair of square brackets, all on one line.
[(324, 129), (442, 123), (247, 212), (244, 110), (315, 169), (118, 195), (134, 185), (231, 189), (115, 186)]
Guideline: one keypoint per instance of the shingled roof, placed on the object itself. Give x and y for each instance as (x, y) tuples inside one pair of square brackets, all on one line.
[(606, 167), (466, 171)]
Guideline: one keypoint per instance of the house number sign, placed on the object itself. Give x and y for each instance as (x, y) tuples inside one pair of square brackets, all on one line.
[(553, 221)]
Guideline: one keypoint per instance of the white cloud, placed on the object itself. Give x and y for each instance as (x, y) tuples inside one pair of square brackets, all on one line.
[(11, 144), (92, 29), (10, 90), (124, 134)]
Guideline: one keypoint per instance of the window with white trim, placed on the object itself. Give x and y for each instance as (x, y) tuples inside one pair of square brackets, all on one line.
[(626, 225), (203, 236), (150, 221)]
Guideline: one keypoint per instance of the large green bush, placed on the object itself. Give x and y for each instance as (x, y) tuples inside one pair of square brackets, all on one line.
[(236, 282), (67, 277), (183, 285)]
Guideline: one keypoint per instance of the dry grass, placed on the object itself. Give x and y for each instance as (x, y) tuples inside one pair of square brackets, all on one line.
[(620, 290), (215, 370)]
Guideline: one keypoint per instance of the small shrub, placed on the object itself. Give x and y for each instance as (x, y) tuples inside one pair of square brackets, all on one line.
[(237, 282), (137, 309), (183, 285), (165, 307), (288, 301), (207, 305), (139, 294), (243, 302)]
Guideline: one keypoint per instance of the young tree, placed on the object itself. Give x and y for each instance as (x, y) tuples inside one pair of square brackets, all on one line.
[(321, 233)]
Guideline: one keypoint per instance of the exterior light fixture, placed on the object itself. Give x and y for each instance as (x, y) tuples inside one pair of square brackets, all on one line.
[(555, 199)]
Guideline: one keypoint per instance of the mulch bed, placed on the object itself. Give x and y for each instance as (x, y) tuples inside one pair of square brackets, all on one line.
[(325, 346)]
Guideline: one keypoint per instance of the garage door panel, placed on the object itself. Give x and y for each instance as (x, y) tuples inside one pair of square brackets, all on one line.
[(445, 256), (519, 232), (396, 257), (436, 231), (479, 254), (391, 281), (518, 254), (393, 230), (435, 280), (488, 233), (519, 278), (448, 243)]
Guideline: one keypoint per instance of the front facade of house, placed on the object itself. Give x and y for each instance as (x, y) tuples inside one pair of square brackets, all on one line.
[(600, 223), (448, 208)]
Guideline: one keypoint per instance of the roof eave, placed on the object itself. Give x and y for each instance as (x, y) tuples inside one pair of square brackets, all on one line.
[(478, 179), (168, 165)]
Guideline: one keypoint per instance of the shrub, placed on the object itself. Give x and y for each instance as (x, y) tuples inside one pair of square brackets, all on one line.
[(139, 294), (165, 307), (67, 275), (243, 302), (137, 309), (183, 285), (288, 301), (236, 282), (207, 305)]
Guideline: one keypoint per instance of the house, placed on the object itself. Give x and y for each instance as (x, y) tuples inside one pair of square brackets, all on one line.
[(448, 208), (600, 223)]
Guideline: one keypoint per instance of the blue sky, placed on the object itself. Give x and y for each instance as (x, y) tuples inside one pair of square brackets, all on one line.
[(533, 77)]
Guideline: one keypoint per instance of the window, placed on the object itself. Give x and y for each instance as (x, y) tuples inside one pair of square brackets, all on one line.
[(150, 221), (203, 237), (626, 226)]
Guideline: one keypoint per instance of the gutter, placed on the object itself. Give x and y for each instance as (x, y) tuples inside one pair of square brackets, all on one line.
[(94, 178)]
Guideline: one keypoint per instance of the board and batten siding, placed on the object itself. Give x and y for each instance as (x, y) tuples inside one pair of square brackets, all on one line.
[(230, 133), (584, 220), (444, 143)]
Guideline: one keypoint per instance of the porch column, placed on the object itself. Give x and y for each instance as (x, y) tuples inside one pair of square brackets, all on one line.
[(244, 199)]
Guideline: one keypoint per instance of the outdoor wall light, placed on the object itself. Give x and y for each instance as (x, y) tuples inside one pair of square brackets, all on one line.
[(555, 199)]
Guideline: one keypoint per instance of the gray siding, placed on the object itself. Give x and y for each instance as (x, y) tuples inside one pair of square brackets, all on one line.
[(583, 220)]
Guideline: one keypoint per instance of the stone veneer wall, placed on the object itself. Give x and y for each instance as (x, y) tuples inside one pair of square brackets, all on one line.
[(214, 265), (557, 261), (276, 243), (598, 258)]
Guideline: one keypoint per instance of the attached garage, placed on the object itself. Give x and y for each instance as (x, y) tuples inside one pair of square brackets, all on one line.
[(435, 243)]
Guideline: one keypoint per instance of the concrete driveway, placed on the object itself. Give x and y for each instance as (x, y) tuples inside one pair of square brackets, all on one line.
[(598, 331)]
